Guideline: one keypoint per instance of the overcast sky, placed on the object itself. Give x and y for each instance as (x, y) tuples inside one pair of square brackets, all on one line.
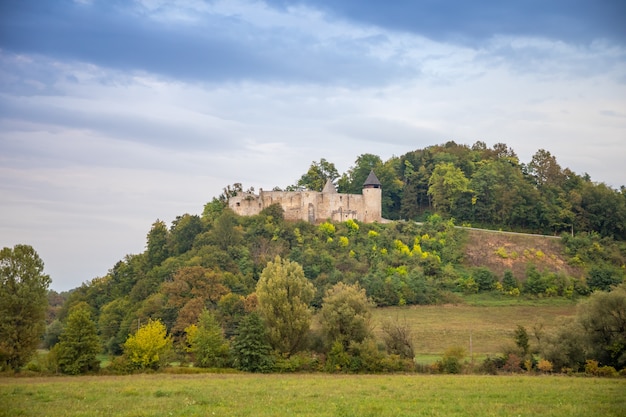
[(115, 113)]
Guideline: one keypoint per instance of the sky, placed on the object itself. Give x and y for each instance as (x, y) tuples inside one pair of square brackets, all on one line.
[(114, 114)]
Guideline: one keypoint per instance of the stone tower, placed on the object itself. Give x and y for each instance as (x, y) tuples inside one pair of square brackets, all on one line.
[(372, 199)]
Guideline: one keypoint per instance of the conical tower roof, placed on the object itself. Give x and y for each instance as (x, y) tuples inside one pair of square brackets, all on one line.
[(329, 187), (371, 181)]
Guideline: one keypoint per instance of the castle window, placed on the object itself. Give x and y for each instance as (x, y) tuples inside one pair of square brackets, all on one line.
[(238, 204)]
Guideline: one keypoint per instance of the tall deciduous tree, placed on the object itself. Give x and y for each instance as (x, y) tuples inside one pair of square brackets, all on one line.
[(284, 295), (23, 303), (446, 185), (318, 174), (345, 315), (149, 347), (352, 181), (603, 317), (157, 247), (79, 343)]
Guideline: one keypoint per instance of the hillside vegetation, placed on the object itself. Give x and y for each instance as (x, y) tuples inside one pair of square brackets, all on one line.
[(201, 277)]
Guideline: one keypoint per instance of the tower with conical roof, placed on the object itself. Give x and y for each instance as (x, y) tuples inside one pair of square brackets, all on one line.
[(372, 199)]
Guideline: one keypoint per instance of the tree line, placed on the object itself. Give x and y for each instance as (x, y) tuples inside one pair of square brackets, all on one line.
[(487, 187)]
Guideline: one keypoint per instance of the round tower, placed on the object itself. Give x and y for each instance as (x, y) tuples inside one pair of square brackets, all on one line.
[(372, 199)]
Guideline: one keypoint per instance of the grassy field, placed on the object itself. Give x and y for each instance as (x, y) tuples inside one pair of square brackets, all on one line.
[(312, 395), (491, 325)]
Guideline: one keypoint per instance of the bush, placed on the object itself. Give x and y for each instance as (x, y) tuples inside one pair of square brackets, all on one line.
[(491, 365), (513, 363), (120, 365), (544, 366), (298, 362), (607, 371), (602, 278), (591, 367), (451, 362)]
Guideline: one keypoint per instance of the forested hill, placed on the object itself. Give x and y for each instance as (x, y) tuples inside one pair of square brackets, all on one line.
[(214, 260), (486, 187)]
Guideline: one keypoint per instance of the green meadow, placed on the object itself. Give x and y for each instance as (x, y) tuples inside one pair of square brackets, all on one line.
[(488, 321), (312, 395)]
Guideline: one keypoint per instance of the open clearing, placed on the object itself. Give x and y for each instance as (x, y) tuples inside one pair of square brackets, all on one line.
[(436, 328), (312, 395)]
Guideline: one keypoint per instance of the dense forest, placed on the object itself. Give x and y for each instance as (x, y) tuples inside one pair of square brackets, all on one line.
[(219, 270), (485, 186)]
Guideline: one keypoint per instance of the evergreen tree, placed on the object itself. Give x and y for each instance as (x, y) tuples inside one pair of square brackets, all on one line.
[(251, 349), (79, 343), (508, 281)]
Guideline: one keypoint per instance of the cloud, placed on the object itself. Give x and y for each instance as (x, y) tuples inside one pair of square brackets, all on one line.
[(472, 23), (213, 42)]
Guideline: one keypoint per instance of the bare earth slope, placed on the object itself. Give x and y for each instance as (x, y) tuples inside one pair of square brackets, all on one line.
[(500, 251)]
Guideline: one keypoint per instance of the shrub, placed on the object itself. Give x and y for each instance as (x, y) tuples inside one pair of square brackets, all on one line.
[(591, 367), (451, 362), (501, 252), (607, 371), (485, 279), (298, 362), (544, 366), (508, 281), (513, 363)]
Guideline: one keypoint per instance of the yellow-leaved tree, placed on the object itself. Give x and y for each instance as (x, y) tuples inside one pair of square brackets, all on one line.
[(149, 347)]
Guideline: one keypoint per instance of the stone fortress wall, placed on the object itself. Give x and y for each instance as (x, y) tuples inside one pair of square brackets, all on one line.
[(314, 206)]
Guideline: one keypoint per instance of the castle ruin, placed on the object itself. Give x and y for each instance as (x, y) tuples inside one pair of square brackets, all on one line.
[(315, 206)]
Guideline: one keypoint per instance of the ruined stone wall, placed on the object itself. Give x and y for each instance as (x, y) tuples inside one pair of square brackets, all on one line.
[(311, 206)]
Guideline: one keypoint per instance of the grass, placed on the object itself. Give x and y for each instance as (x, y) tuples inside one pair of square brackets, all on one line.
[(311, 395), (490, 324)]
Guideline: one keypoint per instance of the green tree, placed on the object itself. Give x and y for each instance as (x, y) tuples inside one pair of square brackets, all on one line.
[(79, 343), (23, 304), (352, 181), (149, 347), (603, 277), (53, 333), (112, 316), (183, 232), (318, 174), (157, 248), (508, 281), (251, 349), (603, 317), (284, 295), (522, 340), (485, 279), (345, 315), (446, 185), (207, 343)]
